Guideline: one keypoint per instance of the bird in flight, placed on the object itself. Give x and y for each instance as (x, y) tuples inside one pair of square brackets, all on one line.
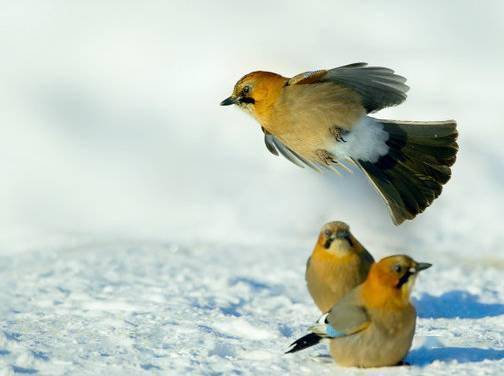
[(321, 119)]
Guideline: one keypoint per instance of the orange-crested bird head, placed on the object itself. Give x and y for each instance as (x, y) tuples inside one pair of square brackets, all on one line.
[(336, 239), (256, 93), (391, 280)]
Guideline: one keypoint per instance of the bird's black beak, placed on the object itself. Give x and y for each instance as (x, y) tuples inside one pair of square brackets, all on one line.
[(228, 101), (422, 266)]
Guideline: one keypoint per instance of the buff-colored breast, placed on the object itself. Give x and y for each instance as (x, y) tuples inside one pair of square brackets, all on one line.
[(303, 116), (330, 277)]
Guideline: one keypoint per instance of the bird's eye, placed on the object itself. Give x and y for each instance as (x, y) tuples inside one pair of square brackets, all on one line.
[(246, 89), (327, 233), (397, 268)]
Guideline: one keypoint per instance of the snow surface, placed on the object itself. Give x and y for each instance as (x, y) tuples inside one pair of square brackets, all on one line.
[(145, 229), (213, 309)]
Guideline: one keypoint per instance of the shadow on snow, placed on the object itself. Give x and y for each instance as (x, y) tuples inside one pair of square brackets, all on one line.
[(456, 303), (425, 356)]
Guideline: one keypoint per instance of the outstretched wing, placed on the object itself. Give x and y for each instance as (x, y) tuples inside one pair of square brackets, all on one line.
[(378, 87)]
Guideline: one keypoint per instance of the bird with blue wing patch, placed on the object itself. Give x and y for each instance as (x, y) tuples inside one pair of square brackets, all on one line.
[(374, 324), (344, 319)]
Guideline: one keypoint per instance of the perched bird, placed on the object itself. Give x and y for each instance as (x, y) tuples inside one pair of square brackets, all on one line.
[(321, 119), (338, 264), (373, 325)]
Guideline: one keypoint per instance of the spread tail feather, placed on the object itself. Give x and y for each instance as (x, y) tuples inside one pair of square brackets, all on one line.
[(304, 342), (411, 175)]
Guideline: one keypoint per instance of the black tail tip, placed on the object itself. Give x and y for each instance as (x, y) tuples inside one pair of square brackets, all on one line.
[(303, 343)]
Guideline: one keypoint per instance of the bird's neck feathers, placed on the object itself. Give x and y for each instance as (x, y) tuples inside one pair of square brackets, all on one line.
[(266, 92), (380, 291), (342, 249), (339, 249), (330, 257)]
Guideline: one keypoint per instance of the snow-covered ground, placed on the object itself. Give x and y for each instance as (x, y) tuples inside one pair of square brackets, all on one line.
[(214, 309), (143, 228)]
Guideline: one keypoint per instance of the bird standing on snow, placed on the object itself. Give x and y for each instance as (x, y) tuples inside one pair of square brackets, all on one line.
[(320, 119), (373, 325), (338, 264)]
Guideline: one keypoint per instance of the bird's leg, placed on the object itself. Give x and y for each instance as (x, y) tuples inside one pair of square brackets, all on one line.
[(338, 133), (328, 160), (325, 157)]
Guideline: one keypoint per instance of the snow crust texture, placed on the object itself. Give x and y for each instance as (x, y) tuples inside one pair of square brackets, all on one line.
[(166, 309)]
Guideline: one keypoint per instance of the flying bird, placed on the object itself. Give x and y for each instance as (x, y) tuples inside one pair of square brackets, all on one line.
[(321, 119)]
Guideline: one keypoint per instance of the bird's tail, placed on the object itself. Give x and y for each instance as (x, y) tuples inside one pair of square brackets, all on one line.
[(302, 343), (411, 175)]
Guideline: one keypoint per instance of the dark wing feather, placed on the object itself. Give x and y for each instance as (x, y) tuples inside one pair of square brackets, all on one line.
[(378, 87), (268, 140)]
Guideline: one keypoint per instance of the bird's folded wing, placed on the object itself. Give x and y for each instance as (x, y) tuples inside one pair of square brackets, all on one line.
[(378, 87), (347, 317), (275, 146), (368, 257), (307, 267)]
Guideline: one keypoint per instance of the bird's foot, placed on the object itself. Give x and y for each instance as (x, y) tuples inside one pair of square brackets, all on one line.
[(325, 157), (338, 133)]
